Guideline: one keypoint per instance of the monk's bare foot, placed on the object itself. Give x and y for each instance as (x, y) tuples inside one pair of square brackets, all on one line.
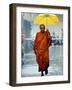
[(46, 72), (42, 73)]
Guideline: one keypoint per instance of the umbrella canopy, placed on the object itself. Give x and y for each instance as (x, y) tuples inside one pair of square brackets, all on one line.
[(46, 19)]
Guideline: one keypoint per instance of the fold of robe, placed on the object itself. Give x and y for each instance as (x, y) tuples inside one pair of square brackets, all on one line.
[(41, 48)]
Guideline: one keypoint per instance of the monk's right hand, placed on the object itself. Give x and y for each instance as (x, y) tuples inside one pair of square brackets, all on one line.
[(36, 52)]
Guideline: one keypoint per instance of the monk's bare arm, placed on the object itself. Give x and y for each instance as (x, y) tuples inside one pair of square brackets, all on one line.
[(35, 44), (48, 37)]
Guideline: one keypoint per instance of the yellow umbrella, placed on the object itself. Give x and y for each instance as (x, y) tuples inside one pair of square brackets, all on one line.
[(46, 19)]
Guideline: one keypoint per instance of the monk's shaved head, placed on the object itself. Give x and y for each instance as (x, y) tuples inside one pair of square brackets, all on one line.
[(42, 25), (42, 28)]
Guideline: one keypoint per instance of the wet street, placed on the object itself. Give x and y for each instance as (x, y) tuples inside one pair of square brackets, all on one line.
[(30, 68)]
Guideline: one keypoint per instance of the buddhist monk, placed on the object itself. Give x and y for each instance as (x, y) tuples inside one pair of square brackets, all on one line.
[(42, 43)]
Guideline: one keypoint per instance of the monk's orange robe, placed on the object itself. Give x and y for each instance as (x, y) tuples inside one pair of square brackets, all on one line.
[(41, 48)]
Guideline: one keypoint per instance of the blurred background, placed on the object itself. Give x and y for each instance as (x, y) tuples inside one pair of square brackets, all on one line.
[(28, 59)]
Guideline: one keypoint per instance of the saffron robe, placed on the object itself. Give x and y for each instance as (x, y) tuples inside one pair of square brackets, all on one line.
[(41, 49)]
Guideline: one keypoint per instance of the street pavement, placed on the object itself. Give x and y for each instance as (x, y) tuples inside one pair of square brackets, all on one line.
[(30, 67)]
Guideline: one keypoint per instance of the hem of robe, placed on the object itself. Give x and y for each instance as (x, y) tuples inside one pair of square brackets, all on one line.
[(39, 69)]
